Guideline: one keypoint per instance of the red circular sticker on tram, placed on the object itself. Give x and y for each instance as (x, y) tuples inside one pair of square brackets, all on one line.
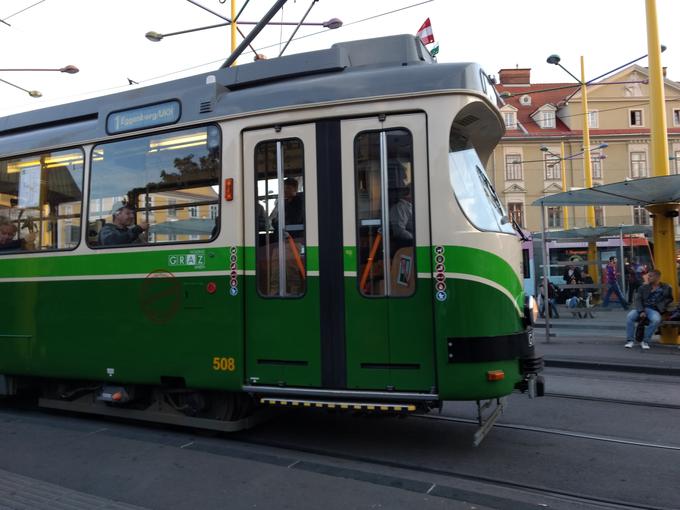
[(160, 296)]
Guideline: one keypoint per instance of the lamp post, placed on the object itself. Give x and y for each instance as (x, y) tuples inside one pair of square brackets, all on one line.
[(586, 156), (587, 165), (663, 214), (69, 69)]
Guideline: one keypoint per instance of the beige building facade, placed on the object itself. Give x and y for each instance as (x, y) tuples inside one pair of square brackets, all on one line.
[(544, 119)]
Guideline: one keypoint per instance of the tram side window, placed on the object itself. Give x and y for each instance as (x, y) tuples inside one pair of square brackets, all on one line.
[(40, 201), (280, 218), (155, 189), (383, 163)]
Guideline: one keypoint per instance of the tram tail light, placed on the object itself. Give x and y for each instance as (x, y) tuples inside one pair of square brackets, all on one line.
[(495, 375), (229, 189)]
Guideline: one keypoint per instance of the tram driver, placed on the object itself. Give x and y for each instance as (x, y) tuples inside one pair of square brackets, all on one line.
[(122, 229)]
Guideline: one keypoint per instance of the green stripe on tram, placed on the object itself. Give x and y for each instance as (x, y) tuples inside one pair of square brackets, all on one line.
[(484, 264)]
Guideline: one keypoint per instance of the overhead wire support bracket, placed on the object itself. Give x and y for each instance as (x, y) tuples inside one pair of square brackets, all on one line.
[(253, 33)]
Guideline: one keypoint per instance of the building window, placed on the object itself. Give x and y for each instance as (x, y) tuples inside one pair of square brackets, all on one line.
[(640, 215), (40, 201), (553, 168), (555, 217), (676, 117), (193, 212), (213, 212), (516, 212), (547, 120), (146, 179), (172, 210), (593, 119), (510, 119), (599, 215), (638, 164), (675, 167), (596, 166), (513, 167), (635, 117)]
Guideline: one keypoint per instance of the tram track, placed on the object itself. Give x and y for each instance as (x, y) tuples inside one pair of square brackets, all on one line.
[(556, 432), (326, 463), (537, 490), (656, 405)]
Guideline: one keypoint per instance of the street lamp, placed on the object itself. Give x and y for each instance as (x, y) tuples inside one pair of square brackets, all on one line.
[(330, 24), (69, 69)]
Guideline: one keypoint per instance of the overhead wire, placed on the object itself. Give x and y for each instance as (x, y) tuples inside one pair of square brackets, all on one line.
[(22, 10), (296, 39)]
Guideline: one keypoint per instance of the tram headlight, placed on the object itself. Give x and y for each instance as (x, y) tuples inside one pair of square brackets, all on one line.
[(530, 310)]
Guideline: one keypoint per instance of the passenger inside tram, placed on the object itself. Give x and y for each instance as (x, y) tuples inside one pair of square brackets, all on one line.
[(122, 229), (8, 232)]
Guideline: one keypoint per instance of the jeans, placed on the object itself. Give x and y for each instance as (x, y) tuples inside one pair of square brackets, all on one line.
[(552, 308), (654, 321), (614, 288)]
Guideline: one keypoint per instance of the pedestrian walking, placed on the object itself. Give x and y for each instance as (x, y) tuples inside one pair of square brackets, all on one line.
[(612, 275)]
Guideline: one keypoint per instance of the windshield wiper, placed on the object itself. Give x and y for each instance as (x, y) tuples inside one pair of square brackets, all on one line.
[(519, 230)]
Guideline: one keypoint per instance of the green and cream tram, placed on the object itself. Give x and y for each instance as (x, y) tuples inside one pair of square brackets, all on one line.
[(315, 230)]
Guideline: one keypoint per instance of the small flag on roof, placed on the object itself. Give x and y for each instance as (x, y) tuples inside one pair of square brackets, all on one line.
[(434, 50), (425, 32)]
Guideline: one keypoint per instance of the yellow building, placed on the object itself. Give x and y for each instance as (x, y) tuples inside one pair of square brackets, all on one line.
[(545, 115)]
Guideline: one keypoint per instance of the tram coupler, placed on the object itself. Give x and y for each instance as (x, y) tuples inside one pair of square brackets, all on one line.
[(486, 423)]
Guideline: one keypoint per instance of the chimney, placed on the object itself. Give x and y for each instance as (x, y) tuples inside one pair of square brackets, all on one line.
[(663, 70), (515, 76)]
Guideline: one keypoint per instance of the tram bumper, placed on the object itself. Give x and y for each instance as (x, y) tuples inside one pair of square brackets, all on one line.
[(529, 366)]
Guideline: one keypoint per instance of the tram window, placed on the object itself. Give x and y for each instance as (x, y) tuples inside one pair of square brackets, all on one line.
[(384, 196), (475, 194), (280, 218), (170, 181), (40, 201)]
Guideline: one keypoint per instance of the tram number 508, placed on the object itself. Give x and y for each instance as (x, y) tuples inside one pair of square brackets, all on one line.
[(224, 364)]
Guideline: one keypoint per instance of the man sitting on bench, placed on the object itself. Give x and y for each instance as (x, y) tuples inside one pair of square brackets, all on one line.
[(651, 300)]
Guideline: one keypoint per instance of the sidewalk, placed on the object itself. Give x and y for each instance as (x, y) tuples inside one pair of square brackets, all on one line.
[(597, 343)]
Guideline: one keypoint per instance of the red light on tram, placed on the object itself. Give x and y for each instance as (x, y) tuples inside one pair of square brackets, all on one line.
[(495, 375), (229, 189), (211, 288)]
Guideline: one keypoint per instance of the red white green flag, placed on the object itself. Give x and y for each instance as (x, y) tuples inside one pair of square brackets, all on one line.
[(425, 32)]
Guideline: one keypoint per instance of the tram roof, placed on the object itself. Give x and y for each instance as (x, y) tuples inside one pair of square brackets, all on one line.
[(386, 66), (647, 191)]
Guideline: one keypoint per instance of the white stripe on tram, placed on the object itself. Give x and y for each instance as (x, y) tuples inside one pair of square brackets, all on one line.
[(109, 276)]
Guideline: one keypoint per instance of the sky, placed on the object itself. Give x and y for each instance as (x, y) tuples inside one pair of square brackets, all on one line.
[(105, 38)]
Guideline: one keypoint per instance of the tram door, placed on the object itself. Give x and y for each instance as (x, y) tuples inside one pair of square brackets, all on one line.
[(281, 258), (386, 231)]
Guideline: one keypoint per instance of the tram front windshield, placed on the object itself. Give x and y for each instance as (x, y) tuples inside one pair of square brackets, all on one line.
[(475, 194)]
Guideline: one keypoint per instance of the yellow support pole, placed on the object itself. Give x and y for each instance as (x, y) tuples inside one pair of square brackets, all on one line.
[(587, 167), (662, 221), (565, 209), (233, 28)]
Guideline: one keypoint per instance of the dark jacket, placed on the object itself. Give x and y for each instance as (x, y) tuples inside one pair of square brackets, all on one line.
[(111, 235), (643, 293), (14, 244)]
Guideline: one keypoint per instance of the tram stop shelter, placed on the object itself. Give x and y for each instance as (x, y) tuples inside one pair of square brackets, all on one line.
[(659, 195)]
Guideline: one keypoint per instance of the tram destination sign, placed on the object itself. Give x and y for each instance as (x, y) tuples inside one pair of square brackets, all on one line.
[(160, 114)]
